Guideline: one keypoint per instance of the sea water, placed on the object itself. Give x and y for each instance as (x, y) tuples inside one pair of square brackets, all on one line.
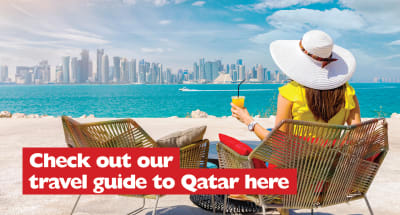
[(167, 100)]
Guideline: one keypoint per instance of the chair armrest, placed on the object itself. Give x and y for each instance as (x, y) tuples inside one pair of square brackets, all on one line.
[(229, 159), (195, 155)]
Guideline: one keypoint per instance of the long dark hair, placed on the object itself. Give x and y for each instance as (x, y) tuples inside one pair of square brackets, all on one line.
[(325, 104)]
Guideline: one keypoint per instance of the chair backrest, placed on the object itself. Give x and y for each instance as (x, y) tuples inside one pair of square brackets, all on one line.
[(113, 133), (334, 163)]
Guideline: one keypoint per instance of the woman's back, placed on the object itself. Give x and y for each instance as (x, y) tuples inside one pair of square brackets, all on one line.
[(296, 94)]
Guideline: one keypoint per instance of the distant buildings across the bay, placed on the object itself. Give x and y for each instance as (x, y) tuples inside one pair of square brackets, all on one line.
[(386, 80), (121, 70)]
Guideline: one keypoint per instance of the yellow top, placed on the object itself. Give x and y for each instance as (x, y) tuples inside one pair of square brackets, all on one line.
[(295, 93)]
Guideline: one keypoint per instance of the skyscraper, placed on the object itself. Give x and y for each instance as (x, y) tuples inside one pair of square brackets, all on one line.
[(142, 72), (253, 72), (65, 67), (132, 71), (239, 62), (3, 73), (100, 53), (117, 69), (147, 72), (83, 75), (260, 73), (90, 72), (202, 69), (153, 73), (220, 67), (41, 73), (196, 71), (242, 72), (75, 68), (208, 71), (59, 74), (160, 78), (168, 76), (124, 70), (277, 78), (268, 76), (104, 70), (180, 76), (215, 66), (233, 72)]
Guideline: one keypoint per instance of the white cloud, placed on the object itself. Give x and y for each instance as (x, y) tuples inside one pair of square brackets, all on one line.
[(305, 19), (391, 57), (152, 50), (199, 3), (251, 27), (382, 16), (273, 4), (179, 1), (268, 37), (129, 2), (395, 43), (21, 10), (239, 19), (165, 22), (160, 3)]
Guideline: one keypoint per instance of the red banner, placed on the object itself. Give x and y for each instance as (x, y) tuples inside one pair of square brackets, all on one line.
[(140, 171)]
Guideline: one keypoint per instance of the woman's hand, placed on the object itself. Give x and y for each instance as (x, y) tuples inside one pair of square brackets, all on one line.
[(241, 114)]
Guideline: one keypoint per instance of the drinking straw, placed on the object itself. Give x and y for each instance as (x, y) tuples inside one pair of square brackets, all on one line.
[(239, 85)]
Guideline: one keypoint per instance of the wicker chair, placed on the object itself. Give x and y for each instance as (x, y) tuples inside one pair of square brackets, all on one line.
[(335, 164), (127, 133)]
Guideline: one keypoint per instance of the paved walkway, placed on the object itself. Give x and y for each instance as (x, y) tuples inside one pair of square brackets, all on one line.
[(18, 133)]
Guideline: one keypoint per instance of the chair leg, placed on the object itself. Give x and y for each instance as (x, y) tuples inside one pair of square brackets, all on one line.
[(225, 204), (155, 206), (213, 203), (368, 205), (139, 209), (262, 204), (312, 211), (76, 203)]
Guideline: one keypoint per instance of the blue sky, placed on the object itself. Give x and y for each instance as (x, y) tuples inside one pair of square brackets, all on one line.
[(178, 32)]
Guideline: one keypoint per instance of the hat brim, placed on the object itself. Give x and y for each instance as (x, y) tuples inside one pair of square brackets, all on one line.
[(308, 72)]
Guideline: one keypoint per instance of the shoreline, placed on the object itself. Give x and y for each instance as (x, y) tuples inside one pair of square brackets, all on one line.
[(194, 115), (91, 116)]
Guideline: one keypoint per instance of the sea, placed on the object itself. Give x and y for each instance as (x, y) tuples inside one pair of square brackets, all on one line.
[(376, 100)]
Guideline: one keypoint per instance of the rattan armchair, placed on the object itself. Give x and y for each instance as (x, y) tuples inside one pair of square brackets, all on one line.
[(127, 133), (335, 164)]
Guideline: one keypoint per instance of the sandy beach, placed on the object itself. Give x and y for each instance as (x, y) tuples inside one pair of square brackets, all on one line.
[(47, 132)]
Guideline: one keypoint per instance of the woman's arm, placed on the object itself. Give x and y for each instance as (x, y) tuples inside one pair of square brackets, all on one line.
[(284, 111), (354, 116), (243, 116)]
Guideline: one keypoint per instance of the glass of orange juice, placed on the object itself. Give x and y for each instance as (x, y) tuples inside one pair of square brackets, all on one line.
[(238, 101)]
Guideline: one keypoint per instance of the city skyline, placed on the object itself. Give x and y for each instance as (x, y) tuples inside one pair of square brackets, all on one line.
[(74, 70), (175, 32)]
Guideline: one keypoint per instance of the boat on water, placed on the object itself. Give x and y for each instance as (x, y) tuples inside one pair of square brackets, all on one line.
[(184, 89)]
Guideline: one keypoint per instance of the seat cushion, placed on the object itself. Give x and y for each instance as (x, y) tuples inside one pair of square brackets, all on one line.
[(241, 148), (183, 138)]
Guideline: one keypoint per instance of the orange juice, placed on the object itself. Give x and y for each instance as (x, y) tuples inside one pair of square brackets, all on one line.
[(238, 101)]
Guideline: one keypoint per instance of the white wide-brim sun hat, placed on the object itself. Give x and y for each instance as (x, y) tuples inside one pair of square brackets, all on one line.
[(299, 66)]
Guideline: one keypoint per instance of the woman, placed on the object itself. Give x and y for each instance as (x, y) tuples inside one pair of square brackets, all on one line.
[(319, 91)]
